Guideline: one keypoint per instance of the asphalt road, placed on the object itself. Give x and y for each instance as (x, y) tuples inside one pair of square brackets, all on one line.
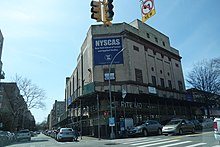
[(205, 139)]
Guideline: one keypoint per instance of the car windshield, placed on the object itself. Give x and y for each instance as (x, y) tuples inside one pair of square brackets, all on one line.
[(66, 130), (174, 122)]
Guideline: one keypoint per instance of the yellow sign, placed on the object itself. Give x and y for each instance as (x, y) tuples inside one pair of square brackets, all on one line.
[(147, 9)]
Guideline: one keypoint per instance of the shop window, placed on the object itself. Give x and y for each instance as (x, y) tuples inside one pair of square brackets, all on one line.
[(138, 75)]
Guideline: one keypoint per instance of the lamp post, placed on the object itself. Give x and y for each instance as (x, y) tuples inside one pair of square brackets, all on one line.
[(112, 135)]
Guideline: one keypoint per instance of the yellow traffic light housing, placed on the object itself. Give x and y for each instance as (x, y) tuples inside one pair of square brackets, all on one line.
[(96, 10), (108, 12)]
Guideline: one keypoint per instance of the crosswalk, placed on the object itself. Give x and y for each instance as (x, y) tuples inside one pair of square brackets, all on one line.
[(161, 142)]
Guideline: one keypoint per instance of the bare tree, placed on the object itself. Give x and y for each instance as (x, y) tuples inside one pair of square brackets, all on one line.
[(32, 94), (205, 77)]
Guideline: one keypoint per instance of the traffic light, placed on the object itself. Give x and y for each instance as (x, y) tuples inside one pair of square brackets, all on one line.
[(96, 10), (109, 11)]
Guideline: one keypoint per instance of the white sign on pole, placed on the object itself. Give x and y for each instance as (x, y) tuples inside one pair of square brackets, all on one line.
[(124, 93)]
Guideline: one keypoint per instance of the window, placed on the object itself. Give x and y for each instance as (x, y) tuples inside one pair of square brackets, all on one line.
[(136, 48), (164, 43), (170, 84), (154, 80), (161, 71), (156, 39), (162, 82), (138, 74), (111, 76), (148, 35), (180, 84), (177, 65), (152, 68)]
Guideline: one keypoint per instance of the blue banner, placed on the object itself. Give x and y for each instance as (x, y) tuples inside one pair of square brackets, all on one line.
[(105, 50)]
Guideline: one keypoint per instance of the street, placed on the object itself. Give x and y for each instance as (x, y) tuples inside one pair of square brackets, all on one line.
[(205, 139)]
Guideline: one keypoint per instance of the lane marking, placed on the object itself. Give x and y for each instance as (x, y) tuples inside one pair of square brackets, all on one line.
[(178, 143), (198, 144), (158, 143), (150, 142)]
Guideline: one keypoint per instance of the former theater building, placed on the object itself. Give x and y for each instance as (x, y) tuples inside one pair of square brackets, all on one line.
[(142, 70)]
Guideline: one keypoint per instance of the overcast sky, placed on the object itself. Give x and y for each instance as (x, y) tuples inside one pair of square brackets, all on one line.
[(42, 38)]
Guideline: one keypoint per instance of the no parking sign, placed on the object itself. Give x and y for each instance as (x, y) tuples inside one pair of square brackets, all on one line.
[(147, 9)]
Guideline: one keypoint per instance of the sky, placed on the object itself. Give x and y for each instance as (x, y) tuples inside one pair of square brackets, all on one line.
[(42, 38)]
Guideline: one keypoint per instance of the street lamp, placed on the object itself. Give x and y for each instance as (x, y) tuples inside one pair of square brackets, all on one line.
[(112, 135)]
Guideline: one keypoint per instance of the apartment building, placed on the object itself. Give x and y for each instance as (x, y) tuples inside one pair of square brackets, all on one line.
[(55, 113), (134, 67)]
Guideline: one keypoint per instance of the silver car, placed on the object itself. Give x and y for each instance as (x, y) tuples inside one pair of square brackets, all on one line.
[(146, 128), (23, 134), (178, 126), (65, 134)]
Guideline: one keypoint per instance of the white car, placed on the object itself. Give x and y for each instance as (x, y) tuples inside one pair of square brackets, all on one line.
[(65, 134), (217, 129), (23, 134)]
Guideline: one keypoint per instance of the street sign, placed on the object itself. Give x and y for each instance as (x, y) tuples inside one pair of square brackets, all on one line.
[(111, 121), (147, 9)]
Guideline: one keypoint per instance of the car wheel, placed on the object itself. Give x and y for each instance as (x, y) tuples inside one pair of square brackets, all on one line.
[(159, 131), (180, 131), (145, 133)]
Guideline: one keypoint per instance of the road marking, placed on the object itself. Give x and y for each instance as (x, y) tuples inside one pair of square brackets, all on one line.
[(135, 140), (150, 142), (198, 144), (178, 143), (158, 143)]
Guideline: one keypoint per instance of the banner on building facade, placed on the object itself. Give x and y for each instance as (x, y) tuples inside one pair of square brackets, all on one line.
[(105, 49)]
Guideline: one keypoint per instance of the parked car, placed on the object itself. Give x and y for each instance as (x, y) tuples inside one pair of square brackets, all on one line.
[(146, 128), (65, 134), (178, 126), (207, 123), (198, 125), (217, 129), (23, 134)]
